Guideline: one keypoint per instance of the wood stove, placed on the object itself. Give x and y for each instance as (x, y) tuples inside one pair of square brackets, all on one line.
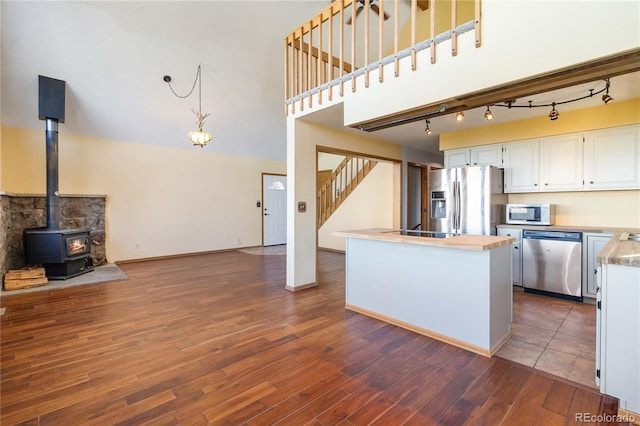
[(64, 253)]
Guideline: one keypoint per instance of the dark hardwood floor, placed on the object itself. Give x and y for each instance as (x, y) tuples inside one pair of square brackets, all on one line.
[(216, 339)]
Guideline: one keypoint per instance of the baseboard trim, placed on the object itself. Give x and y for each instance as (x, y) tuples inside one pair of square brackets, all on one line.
[(441, 337), (301, 287), (332, 250), (175, 256)]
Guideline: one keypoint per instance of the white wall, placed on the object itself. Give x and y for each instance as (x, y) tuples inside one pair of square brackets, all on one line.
[(520, 39), (302, 139), (370, 205)]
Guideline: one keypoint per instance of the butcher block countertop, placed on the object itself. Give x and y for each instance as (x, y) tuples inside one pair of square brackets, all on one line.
[(462, 242), (622, 249)]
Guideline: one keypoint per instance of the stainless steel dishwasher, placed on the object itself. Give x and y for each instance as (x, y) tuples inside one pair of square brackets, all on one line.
[(552, 263)]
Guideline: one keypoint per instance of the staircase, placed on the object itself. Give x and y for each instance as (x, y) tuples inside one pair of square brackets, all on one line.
[(342, 181)]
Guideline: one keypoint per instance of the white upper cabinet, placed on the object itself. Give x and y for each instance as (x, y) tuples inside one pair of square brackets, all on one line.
[(457, 157), (487, 155), (598, 160), (561, 163), (522, 166), (612, 158)]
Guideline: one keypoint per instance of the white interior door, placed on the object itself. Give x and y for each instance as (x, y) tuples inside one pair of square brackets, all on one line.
[(274, 219)]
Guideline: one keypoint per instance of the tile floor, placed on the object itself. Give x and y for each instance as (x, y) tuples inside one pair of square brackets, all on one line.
[(553, 335)]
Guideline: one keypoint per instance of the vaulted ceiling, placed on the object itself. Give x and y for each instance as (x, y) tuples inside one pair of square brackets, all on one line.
[(113, 56)]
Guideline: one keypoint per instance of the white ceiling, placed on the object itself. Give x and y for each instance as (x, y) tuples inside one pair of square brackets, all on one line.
[(113, 56)]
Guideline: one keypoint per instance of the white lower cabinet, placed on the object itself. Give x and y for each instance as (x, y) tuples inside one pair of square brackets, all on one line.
[(516, 252), (592, 244), (619, 335)]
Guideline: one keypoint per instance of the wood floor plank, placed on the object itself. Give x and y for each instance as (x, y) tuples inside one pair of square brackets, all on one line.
[(216, 339)]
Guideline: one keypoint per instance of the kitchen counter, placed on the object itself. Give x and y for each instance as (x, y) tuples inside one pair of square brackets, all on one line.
[(569, 228), (457, 290), (622, 249), (463, 242)]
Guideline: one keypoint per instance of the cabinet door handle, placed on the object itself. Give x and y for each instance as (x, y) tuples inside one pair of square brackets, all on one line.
[(535, 184), (591, 182), (546, 184)]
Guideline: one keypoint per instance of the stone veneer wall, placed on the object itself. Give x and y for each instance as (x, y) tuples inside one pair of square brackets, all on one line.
[(18, 212)]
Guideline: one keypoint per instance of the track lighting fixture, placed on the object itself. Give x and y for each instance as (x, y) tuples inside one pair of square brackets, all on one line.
[(554, 114), (459, 116), (488, 114), (427, 130)]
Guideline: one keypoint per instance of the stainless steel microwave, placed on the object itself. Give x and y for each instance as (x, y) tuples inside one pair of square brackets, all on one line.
[(530, 214)]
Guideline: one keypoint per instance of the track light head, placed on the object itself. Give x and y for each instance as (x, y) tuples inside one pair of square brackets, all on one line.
[(459, 116), (488, 114), (606, 98), (427, 130), (554, 114)]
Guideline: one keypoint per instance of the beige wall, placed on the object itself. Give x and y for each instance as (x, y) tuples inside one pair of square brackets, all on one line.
[(600, 117), (370, 205), (616, 209), (160, 201)]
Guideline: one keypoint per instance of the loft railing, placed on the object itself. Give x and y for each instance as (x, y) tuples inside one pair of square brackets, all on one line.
[(339, 43), (340, 184)]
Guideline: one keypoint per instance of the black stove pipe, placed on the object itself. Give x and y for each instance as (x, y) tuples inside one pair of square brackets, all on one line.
[(51, 100), (53, 196)]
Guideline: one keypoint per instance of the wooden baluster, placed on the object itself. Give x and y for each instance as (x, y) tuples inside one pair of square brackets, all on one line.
[(477, 22), (396, 30), (301, 69), (414, 8), (287, 74), (353, 46), (380, 52), (330, 58), (294, 83), (341, 47), (454, 25), (319, 63), (367, 5), (432, 46), (309, 63)]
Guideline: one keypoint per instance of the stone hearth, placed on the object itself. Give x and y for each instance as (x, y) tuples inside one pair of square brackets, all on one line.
[(18, 212)]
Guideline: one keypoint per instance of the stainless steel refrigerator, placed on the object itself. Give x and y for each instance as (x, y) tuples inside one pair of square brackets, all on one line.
[(467, 200)]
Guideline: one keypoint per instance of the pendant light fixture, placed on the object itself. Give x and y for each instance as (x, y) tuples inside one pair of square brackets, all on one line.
[(459, 116), (200, 137)]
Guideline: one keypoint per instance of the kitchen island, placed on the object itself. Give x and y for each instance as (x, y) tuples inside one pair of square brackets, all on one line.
[(618, 322), (457, 289)]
